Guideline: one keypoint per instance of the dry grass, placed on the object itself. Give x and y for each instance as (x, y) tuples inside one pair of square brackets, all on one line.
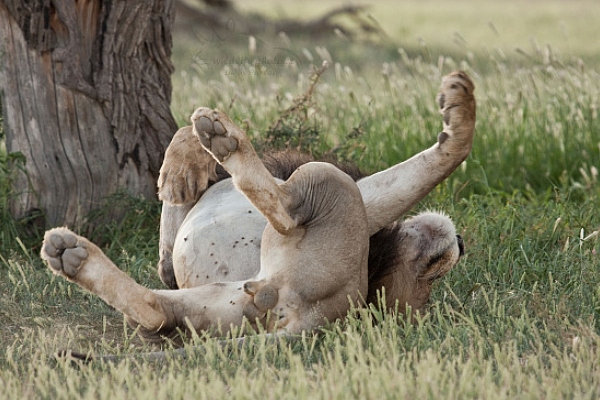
[(517, 318)]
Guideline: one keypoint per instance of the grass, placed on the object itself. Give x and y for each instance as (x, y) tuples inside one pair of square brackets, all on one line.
[(513, 28), (519, 317)]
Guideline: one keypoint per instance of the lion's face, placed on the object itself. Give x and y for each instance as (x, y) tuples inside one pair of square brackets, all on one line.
[(427, 249)]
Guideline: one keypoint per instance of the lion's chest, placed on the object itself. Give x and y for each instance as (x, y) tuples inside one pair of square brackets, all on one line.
[(219, 240)]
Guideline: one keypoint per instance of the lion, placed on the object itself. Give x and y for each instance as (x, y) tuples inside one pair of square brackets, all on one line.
[(286, 244)]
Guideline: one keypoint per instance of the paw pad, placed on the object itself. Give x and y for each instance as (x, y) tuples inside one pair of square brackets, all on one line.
[(213, 134), (62, 252)]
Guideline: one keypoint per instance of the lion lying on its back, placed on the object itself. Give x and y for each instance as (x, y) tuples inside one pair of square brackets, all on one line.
[(287, 244)]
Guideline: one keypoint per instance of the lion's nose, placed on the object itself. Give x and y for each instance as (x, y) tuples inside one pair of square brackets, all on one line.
[(461, 245)]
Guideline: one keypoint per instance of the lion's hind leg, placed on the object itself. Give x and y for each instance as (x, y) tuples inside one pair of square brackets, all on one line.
[(82, 262), (157, 314)]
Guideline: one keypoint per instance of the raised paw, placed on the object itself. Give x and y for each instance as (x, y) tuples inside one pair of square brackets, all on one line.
[(186, 169), (457, 104), (63, 252), (216, 132)]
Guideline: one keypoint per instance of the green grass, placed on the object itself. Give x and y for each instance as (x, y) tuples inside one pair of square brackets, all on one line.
[(519, 317)]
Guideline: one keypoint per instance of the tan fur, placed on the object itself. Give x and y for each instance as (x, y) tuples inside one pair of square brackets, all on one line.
[(315, 280), (391, 193), (186, 169), (314, 250), (303, 281)]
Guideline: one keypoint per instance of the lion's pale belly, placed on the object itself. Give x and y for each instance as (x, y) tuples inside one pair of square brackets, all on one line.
[(219, 240)]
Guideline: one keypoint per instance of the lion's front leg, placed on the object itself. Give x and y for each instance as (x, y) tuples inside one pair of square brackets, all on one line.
[(157, 314), (186, 169), (171, 219), (229, 145), (184, 176), (391, 193), (80, 261)]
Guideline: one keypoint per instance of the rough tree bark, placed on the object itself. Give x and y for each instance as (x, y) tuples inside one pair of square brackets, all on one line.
[(86, 90)]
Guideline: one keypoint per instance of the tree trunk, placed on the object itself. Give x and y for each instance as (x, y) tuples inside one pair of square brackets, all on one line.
[(86, 90)]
